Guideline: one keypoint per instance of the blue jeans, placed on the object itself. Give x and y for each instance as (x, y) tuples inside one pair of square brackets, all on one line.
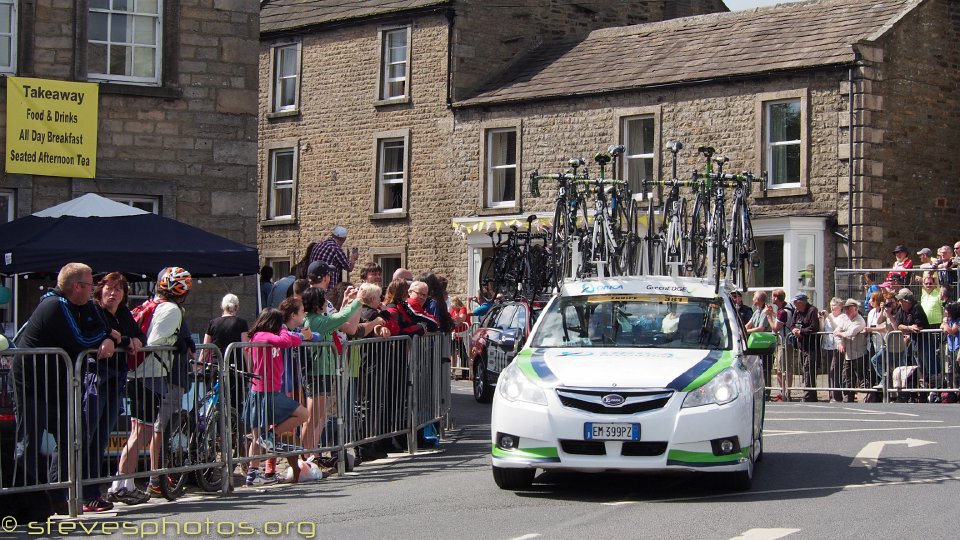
[(103, 392), (896, 360), (928, 356)]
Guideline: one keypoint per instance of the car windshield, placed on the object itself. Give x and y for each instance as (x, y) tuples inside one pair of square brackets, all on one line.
[(669, 322)]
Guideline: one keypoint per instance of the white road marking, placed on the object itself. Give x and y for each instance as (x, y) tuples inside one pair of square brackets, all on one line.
[(775, 409), (870, 454), (771, 433), (526, 536), (765, 534), (822, 419), (793, 490)]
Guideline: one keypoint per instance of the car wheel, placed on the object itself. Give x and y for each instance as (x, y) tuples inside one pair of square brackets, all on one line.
[(482, 391), (759, 444), (513, 478), (740, 480)]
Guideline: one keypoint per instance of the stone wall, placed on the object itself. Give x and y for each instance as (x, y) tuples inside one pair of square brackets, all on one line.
[(190, 142), (719, 115), (486, 40), (336, 131), (919, 119)]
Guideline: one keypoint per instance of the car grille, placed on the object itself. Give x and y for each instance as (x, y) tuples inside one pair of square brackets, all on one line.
[(634, 401), (643, 448), (583, 448)]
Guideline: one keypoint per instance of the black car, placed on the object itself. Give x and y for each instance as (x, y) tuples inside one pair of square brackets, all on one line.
[(496, 341)]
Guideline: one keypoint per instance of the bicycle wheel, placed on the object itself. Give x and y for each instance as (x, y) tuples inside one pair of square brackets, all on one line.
[(650, 241), (560, 245), (675, 254), (620, 225), (631, 245), (749, 246), (209, 450), (539, 270), (716, 240), (177, 451), (697, 247), (486, 272)]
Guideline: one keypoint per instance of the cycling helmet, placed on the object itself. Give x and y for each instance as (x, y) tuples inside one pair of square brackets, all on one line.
[(175, 281)]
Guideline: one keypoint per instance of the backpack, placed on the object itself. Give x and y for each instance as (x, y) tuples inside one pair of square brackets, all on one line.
[(143, 315), (785, 331)]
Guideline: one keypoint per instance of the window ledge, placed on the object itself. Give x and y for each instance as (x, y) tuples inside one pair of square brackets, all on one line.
[(278, 222), (785, 192), (392, 101), (283, 114), (499, 211), (388, 215), (165, 92)]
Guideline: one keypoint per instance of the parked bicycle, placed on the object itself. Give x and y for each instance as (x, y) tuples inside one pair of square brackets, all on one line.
[(195, 436)]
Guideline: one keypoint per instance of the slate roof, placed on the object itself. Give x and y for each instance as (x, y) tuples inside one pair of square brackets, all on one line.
[(782, 37), (281, 15)]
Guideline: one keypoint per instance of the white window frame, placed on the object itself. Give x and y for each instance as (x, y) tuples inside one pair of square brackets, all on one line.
[(769, 145), (158, 47), (491, 168), (133, 200), (272, 182), (383, 80), (11, 200), (385, 254), (276, 78), (764, 153), (796, 232), (11, 33), (636, 160), (283, 262), (391, 138)]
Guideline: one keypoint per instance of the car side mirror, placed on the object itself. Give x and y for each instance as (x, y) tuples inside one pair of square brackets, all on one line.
[(509, 338), (762, 343)]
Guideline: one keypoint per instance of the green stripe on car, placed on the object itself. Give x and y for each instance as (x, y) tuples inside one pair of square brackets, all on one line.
[(705, 459), (725, 361), (526, 454)]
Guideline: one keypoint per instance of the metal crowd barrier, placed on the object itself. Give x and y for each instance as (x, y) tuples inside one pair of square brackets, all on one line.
[(372, 390), (894, 366), (34, 449)]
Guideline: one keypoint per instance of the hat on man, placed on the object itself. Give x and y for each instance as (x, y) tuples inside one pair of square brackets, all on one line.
[(340, 231), (318, 269), (851, 302), (905, 294), (800, 296), (886, 284), (900, 247), (925, 251)]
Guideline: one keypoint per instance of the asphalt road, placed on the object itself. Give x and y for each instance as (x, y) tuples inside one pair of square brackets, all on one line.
[(829, 471)]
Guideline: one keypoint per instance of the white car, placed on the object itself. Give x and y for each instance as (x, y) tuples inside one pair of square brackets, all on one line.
[(633, 374)]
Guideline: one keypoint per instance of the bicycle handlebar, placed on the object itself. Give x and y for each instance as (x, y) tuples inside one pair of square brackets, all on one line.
[(210, 366)]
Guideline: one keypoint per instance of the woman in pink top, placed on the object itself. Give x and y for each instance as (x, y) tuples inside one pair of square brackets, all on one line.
[(266, 405)]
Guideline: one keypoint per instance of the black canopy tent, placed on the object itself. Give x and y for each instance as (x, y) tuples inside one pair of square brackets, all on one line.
[(111, 236)]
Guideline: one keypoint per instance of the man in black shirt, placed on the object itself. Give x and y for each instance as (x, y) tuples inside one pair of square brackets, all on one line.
[(67, 319), (911, 320)]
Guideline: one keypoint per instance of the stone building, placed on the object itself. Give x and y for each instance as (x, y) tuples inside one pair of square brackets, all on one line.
[(356, 127), (775, 89), (177, 120)]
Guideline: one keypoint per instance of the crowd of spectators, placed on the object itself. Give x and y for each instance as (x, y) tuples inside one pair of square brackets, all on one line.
[(291, 392)]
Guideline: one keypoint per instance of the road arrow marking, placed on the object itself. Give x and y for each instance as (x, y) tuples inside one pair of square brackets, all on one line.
[(765, 534), (871, 452)]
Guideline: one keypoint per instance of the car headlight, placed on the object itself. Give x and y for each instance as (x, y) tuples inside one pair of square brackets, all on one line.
[(513, 385), (723, 388)]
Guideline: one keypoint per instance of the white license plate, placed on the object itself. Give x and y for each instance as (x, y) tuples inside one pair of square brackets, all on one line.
[(611, 432)]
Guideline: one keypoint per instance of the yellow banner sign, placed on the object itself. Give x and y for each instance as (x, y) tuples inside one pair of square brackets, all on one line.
[(52, 127)]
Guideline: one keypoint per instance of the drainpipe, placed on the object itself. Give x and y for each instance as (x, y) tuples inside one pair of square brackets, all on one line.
[(850, 190)]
